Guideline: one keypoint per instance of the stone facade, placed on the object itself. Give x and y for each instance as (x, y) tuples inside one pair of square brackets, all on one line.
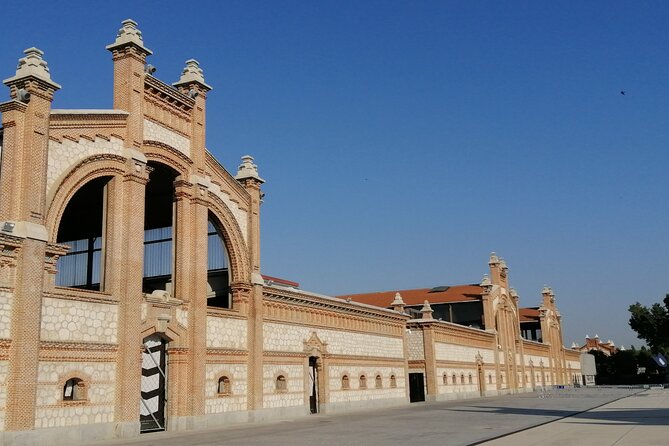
[(91, 355)]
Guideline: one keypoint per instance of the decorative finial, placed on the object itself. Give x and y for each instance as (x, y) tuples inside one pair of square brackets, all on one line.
[(494, 260), (513, 293), (502, 264), (485, 282), (427, 310), (398, 300), (546, 290), (192, 73), (129, 34), (248, 169), (32, 65)]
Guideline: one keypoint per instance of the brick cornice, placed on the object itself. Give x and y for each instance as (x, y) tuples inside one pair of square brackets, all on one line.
[(330, 304)]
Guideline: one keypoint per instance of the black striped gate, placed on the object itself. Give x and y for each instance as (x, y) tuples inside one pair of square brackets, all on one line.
[(154, 379)]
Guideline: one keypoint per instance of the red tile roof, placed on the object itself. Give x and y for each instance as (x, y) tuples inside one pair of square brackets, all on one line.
[(458, 293), (529, 314), (280, 281)]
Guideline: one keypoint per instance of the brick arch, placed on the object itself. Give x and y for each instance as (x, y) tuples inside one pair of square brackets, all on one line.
[(105, 165), (168, 155), (173, 333), (84, 377), (240, 263)]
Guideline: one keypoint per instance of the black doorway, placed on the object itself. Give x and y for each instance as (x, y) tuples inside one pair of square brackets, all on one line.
[(313, 384), (416, 387)]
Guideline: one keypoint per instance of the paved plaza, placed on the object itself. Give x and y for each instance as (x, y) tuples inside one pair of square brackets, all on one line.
[(586, 416)]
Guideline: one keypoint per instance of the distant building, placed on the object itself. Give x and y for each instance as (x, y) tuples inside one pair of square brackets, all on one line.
[(608, 348)]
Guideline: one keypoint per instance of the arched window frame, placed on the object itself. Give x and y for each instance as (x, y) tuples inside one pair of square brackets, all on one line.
[(74, 389), (281, 383), (224, 386)]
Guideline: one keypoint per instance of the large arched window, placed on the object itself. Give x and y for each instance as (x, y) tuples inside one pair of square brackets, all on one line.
[(158, 234), (218, 278), (82, 229)]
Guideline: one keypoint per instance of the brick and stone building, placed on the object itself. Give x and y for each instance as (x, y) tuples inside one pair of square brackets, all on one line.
[(608, 348), (131, 294)]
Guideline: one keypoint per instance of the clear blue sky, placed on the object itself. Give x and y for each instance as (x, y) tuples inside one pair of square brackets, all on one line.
[(403, 141)]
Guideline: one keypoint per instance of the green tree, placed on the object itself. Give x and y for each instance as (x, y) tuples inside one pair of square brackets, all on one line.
[(651, 324)]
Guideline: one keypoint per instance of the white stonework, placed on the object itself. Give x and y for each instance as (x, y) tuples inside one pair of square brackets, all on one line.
[(241, 216), (415, 345), (182, 317), (6, 299), (290, 338), (66, 154), (454, 352), (75, 321), (445, 382), (355, 393), (225, 332), (100, 383), (156, 132), (236, 400), (294, 393)]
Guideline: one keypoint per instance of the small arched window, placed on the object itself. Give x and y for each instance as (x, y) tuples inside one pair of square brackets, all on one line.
[(224, 386), (378, 382), (470, 379), (345, 383), (462, 378), (363, 382), (501, 378), (281, 384), (489, 378), (444, 379), (393, 382), (74, 390), (454, 379)]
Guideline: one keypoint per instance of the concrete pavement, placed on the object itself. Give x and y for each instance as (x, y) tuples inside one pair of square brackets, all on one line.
[(425, 424), (640, 419)]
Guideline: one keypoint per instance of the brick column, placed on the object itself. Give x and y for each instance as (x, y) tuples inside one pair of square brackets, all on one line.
[(129, 55), (128, 264), (190, 285), (192, 84), (22, 205), (248, 177)]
